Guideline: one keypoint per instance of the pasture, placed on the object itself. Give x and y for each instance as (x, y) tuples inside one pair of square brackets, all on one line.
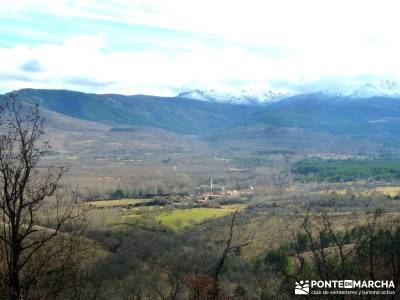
[(181, 218)]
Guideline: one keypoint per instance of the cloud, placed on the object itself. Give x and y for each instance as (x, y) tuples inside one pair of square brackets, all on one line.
[(86, 82), (82, 62), (32, 66), (157, 46)]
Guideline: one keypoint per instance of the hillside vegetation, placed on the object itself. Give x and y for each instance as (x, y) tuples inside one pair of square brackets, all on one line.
[(316, 117), (317, 169), (173, 114)]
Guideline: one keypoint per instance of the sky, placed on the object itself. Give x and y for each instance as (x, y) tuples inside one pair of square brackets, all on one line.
[(163, 47)]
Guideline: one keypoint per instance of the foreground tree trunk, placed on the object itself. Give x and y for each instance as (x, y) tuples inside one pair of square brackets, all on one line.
[(216, 293), (34, 239)]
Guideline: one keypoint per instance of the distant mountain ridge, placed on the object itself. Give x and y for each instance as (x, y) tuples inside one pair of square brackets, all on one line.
[(173, 114), (376, 119), (383, 88), (243, 96)]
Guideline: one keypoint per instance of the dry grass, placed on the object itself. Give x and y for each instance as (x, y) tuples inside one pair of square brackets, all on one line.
[(115, 203), (389, 190), (270, 231)]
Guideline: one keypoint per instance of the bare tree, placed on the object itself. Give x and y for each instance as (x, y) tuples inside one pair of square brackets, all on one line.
[(228, 248), (324, 242), (38, 232)]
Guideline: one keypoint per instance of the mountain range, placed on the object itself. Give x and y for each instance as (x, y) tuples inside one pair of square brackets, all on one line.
[(382, 88), (243, 96), (330, 118)]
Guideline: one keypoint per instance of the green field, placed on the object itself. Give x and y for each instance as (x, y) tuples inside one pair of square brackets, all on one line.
[(181, 218)]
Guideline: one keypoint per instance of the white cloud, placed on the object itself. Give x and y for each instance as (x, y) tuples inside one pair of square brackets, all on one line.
[(314, 40)]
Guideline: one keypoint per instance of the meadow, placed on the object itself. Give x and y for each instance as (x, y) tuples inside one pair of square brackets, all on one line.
[(184, 218)]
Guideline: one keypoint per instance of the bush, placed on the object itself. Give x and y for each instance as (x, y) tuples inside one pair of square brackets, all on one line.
[(277, 260), (118, 194)]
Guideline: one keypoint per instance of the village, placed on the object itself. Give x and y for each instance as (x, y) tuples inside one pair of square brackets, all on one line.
[(205, 195), (212, 192)]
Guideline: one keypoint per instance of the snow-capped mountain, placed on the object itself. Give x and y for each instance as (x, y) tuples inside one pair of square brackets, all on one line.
[(243, 96), (384, 88)]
